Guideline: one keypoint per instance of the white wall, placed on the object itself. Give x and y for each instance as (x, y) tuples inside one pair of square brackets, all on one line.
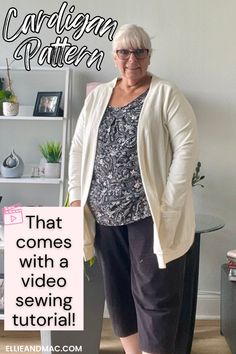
[(194, 46)]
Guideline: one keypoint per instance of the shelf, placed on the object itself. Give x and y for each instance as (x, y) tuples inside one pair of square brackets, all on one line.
[(1, 316), (32, 118), (30, 180)]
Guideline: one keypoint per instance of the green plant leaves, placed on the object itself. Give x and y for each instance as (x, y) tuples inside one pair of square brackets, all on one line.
[(51, 151), (5, 95), (196, 176)]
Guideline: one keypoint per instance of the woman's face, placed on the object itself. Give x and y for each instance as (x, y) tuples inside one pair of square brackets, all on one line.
[(132, 68)]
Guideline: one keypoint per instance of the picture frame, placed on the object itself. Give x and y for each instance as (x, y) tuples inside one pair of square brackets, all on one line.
[(48, 104)]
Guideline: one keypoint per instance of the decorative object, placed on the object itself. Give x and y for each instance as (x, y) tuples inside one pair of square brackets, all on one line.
[(8, 98), (196, 176), (48, 104), (51, 151), (10, 108), (12, 166), (35, 171), (42, 166), (52, 170)]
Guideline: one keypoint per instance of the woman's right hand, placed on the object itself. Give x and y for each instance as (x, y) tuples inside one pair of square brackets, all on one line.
[(75, 203)]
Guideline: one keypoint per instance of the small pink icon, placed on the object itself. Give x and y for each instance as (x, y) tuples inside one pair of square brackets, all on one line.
[(12, 215)]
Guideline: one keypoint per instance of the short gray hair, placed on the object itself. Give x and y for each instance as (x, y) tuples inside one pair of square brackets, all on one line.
[(131, 36)]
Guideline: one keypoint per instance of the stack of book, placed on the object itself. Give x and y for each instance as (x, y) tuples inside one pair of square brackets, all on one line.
[(231, 258)]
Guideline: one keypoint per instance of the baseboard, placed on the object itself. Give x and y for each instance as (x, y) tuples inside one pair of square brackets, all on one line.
[(208, 306)]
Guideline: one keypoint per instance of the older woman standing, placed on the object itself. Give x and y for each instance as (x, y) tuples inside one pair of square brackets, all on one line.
[(131, 164)]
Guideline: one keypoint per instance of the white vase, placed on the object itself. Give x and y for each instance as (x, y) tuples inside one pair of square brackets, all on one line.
[(10, 108), (52, 170)]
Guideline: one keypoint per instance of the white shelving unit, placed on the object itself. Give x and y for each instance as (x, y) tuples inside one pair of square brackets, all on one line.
[(50, 128), (43, 83)]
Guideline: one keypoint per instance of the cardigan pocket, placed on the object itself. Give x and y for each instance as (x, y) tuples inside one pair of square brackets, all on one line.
[(168, 225)]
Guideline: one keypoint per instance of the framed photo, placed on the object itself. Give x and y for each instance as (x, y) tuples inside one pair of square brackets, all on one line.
[(48, 104)]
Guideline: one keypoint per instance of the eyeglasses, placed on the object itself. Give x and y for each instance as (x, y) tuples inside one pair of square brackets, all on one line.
[(124, 54)]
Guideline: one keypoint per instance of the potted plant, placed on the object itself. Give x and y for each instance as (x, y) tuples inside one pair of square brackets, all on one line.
[(9, 105), (197, 177), (51, 151)]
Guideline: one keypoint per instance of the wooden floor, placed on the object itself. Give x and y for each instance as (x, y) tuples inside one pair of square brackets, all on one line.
[(15, 338), (207, 339)]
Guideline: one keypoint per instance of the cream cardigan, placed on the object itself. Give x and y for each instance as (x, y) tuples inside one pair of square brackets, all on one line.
[(167, 153)]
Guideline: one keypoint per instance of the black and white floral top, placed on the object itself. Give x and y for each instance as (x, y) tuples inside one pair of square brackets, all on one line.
[(116, 194)]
